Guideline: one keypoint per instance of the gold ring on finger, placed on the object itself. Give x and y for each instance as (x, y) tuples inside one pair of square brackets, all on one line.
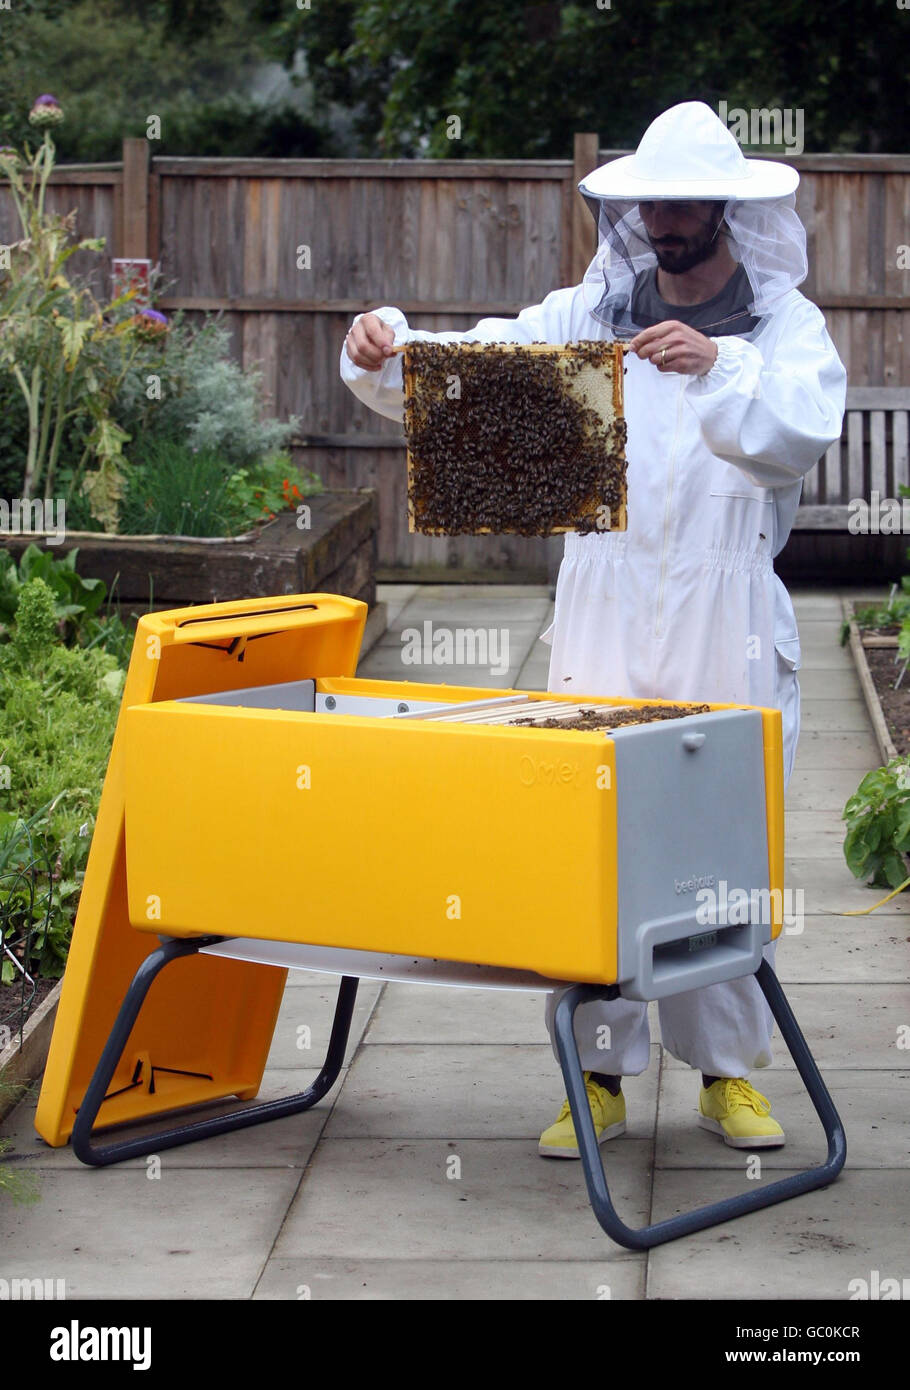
[(663, 357)]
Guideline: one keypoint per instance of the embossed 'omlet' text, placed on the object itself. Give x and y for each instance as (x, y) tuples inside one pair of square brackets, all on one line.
[(532, 773)]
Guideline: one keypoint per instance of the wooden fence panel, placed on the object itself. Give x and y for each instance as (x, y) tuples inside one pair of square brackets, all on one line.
[(451, 242)]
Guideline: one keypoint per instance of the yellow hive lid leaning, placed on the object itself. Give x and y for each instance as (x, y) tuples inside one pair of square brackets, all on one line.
[(515, 438)]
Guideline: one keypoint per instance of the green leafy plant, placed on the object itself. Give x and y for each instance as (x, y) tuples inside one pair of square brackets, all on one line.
[(877, 616), (208, 401), (76, 600), (271, 487), (35, 900), (878, 825), (55, 337), (58, 711), (13, 434), (176, 490)]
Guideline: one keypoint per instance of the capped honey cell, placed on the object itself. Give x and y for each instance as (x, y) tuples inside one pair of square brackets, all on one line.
[(515, 438)]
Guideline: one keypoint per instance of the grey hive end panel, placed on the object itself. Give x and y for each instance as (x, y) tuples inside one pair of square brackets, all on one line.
[(691, 819), (297, 695)]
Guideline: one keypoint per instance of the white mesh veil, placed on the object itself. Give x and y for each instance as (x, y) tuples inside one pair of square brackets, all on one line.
[(765, 235)]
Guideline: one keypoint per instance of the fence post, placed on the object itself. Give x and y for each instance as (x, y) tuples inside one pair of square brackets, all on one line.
[(584, 232), (133, 231)]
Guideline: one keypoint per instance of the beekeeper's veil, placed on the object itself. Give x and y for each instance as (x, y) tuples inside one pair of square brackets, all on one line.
[(688, 153)]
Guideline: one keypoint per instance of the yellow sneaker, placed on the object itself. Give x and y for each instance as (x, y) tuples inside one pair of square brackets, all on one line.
[(607, 1111), (733, 1108)]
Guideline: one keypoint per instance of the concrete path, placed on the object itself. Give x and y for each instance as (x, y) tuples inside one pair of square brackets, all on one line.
[(419, 1177)]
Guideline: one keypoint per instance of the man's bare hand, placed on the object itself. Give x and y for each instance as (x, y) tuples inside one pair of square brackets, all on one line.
[(675, 347), (370, 342)]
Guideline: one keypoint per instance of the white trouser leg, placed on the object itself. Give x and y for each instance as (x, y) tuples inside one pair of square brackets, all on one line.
[(724, 1030), (612, 1035)]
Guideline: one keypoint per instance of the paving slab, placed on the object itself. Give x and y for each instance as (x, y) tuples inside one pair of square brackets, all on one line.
[(304, 1023), (615, 1278), (846, 1025), (114, 1233), (821, 651), (384, 663), (872, 1106), (815, 603), (820, 683), (834, 716), (470, 603), (284, 1143), (820, 750), (534, 675), (446, 1091), (520, 634), (811, 1247), (874, 950), (395, 596), (430, 1014), (821, 790), (830, 887), (818, 834), (393, 1199)]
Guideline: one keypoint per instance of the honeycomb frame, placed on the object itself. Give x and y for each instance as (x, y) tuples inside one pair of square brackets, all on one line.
[(565, 382)]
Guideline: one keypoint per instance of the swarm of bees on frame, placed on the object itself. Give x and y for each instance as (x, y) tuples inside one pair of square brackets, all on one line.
[(525, 439), (604, 718)]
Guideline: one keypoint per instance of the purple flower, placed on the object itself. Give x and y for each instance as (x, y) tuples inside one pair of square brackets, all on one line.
[(149, 324), (45, 111)]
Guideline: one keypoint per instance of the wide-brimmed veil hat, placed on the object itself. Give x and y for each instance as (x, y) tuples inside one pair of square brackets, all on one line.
[(688, 153)]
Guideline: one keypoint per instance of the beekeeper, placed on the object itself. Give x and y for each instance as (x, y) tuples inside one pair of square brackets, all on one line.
[(733, 392)]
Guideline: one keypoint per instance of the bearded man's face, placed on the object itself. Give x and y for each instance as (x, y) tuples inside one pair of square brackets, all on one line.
[(682, 234)]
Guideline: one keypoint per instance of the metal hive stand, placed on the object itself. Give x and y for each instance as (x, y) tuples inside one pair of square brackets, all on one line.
[(729, 1207), (371, 965)]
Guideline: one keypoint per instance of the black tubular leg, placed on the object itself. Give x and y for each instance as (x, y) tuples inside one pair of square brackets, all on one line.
[(717, 1212), (101, 1155)]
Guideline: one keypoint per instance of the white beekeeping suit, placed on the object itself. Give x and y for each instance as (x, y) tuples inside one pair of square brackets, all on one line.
[(685, 604)]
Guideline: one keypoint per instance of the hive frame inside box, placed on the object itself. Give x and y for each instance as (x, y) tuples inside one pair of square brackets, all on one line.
[(549, 349), (315, 631)]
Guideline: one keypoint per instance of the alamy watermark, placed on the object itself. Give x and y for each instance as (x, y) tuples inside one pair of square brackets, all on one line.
[(27, 1290), (80, 1342), (460, 646), (781, 127), (718, 905), (29, 516), (878, 1286), (880, 516)]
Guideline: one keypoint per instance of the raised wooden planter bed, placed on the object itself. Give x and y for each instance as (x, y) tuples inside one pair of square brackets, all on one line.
[(22, 1060), (336, 555), (870, 694)]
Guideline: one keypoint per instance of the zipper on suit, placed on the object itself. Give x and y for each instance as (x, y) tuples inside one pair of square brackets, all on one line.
[(668, 506)]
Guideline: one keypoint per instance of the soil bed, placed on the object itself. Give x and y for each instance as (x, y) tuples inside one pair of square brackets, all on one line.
[(895, 703), (11, 1012)]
